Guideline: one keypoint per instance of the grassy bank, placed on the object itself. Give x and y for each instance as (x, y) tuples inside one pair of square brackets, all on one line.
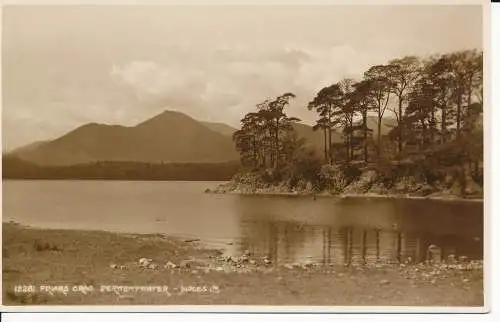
[(197, 276)]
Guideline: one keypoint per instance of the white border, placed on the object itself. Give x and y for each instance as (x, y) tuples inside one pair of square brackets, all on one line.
[(490, 159), (244, 2)]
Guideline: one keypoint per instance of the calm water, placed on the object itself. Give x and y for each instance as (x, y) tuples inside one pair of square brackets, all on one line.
[(288, 229)]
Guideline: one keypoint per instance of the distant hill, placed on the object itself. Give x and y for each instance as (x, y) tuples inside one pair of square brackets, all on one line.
[(314, 139), (170, 137), (220, 128), (29, 147)]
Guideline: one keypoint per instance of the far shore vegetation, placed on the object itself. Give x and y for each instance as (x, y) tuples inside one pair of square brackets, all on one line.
[(16, 168)]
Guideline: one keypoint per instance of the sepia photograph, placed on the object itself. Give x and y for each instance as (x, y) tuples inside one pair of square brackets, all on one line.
[(247, 156)]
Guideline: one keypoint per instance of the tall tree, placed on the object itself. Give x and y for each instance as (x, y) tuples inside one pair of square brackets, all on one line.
[(420, 113), (459, 70), (281, 122), (347, 112), (252, 140), (438, 70), (361, 100), (247, 141), (473, 66), (322, 123), (380, 92), (404, 72), (326, 102)]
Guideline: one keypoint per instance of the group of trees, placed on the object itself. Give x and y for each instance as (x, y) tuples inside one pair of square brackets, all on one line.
[(433, 101), (266, 138), (435, 106)]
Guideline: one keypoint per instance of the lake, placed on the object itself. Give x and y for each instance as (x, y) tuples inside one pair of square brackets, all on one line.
[(287, 229)]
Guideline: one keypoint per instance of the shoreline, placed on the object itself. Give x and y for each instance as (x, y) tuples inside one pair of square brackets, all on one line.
[(347, 195), (196, 275)]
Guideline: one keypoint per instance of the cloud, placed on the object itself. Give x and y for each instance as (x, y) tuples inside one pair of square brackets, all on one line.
[(224, 84), (211, 63), (218, 83)]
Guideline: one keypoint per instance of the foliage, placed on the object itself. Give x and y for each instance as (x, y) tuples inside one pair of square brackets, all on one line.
[(332, 178), (437, 104), (262, 134), (305, 166)]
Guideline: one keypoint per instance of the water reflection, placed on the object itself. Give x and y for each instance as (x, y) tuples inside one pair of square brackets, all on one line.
[(285, 242), (360, 232)]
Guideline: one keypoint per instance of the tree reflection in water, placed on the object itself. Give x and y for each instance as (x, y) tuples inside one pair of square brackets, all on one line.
[(289, 242), (357, 232)]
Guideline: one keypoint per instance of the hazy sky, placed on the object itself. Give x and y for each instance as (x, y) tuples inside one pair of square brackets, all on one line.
[(66, 66)]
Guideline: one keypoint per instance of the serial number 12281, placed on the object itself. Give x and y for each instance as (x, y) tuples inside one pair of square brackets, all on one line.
[(24, 289)]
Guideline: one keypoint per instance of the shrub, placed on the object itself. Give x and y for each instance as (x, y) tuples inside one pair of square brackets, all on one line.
[(44, 246), (305, 166), (332, 178), (351, 172)]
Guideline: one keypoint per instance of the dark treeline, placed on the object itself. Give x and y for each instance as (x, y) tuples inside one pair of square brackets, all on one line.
[(14, 168), (437, 105)]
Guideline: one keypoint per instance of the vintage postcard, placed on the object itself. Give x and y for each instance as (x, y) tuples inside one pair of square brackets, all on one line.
[(326, 157)]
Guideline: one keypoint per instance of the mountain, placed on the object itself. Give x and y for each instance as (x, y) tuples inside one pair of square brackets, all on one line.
[(220, 128), (29, 147), (170, 137)]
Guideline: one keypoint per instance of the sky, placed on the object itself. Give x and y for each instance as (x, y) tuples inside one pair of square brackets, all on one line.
[(64, 66)]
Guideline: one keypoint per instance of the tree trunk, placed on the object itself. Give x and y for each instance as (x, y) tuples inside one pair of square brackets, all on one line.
[(325, 141), (400, 125), (365, 135), (433, 125), (351, 146), (276, 142), (443, 125), (270, 148), (347, 144), (469, 93), (424, 132), (329, 145), (329, 137), (255, 153), (469, 102), (379, 135)]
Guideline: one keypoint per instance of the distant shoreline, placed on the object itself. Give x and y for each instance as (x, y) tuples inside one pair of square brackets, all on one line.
[(15, 168), (275, 193)]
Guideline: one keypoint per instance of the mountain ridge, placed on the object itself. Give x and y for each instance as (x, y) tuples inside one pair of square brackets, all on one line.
[(171, 137), (168, 137)]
